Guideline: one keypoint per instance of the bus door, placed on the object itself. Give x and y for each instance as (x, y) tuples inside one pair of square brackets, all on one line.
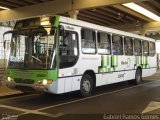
[(68, 57)]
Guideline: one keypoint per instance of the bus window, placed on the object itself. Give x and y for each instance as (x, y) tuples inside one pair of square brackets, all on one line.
[(104, 43), (152, 49), (137, 47), (117, 45), (88, 41), (68, 49), (128, 46), (145, 48)]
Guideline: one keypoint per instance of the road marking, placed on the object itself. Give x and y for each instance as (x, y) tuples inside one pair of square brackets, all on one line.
[(44, 114), (21, 96), (96, 96), (15, 108), (26, 111), (151, 106)]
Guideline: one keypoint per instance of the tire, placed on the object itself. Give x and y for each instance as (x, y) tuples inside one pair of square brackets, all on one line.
[(138, 77), (86, 87)]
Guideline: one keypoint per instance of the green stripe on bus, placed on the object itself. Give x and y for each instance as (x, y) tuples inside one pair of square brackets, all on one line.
[(101, 70), (108, 69), (56, 23), (142, 61), (105, 64), (36, 75), (103, 61), (108, 60), (115, 60)]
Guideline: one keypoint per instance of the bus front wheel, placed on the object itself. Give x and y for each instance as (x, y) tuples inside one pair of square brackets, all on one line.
[(86, 87)]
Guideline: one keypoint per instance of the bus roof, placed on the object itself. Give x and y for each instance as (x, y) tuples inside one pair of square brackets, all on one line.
[(101, 28)]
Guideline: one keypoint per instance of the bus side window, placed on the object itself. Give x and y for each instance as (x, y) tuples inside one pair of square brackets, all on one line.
[(128, 46), (152, 49), (88, 41), (104, 43), (145, 48), (117, 45), (137, 47), (68, 49)]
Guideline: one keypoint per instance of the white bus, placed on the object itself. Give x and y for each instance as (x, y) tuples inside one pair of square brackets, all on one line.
[(59, 54)]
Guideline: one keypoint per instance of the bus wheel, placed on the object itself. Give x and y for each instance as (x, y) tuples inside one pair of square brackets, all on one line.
[(138, 77), (86, 87)]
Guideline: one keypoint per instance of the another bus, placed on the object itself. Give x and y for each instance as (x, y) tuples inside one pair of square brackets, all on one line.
[(59, 55)]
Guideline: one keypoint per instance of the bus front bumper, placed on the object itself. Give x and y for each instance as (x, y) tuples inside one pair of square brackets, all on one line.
[(28, 87)]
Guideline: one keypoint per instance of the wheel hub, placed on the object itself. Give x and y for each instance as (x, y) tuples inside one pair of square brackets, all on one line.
[(86, 86)]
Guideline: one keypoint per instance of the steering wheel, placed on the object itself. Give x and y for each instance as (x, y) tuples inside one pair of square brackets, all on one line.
[(37, 59)]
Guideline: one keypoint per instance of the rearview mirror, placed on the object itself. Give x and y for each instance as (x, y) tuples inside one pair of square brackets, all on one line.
[(4, 44), (62, 31)]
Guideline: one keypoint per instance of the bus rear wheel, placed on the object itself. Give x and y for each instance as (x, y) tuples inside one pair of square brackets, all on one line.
[(138, 76), (86, 87)]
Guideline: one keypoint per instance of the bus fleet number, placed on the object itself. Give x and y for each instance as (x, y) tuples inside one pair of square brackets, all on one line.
[(120, 75)]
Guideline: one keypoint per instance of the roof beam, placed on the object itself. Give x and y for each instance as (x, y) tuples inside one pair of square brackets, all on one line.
[(117, 14), (9, 3), (141, 27), (148, 8), (95, 19), (83, 4), (21, 3), (55, 7), (154, 2), (134, 13), (89, 20), (47, 8), (102, 17)]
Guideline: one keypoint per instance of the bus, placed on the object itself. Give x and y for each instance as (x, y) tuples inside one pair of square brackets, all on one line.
[(58, 54)]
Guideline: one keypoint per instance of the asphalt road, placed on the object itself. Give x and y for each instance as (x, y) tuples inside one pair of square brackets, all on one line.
[(116, 101)]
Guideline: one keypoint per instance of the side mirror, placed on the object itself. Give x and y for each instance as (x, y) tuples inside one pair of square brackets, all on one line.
[(4, 44), (62, 31)]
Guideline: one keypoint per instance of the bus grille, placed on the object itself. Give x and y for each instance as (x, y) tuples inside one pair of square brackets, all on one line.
[(26, 81)]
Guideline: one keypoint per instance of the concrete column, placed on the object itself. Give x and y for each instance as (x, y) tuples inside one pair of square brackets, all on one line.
[(73, 14)]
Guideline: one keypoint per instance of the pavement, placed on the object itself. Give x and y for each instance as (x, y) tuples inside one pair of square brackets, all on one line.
[(5, 91)]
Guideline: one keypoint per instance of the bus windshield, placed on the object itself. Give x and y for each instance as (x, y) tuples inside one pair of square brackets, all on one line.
[(32, 48)]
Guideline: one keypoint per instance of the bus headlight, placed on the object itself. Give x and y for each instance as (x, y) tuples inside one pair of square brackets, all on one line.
[(45, 82), (9, 79)]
